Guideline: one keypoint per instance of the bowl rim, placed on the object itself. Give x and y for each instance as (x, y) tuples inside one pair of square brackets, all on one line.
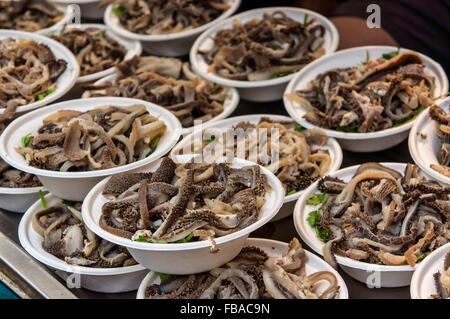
[(20, 190), (133, 47), (300, 224), (163, 149), (332, 144), (233, 98), (291, 87), (424, 268), (53, 261), (258, 242), (422, 120), (108, 16), (93, 225), (72, 69), (69, 14), (329, 26), (74, 1)]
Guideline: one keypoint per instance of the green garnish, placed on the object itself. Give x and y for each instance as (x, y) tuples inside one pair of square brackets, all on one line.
[(380, 263), (212, 139), (317, 199), (313, 218), (346, 129), (26, 140), (417, 112), (185, 239), (390, 55), (165, 277), (118, 11), (40, 97), (305, 20), (291, 192), (154, 144), (323, 233), (68, 202), (420, 258), (142, 239), (43, 201), (51, 90), (299, 128)]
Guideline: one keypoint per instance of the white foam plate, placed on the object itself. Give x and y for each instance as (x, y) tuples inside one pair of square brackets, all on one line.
[(189, 257), (133, 48), (272, 248), (422, 282), (358, 142), (267, 90), (389, 276), (75, 185)]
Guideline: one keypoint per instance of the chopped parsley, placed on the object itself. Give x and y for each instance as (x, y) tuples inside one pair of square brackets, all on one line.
[(419, 258), (41, 96), (367, 57), (212, 139), (143, 239), (185, 239), (317, 199), (291, 192), (118, 11), (313, 218), (43, 201), (26, 140), (153, 146), (280, 75), (68, 202), (390, 55), (299, 128)]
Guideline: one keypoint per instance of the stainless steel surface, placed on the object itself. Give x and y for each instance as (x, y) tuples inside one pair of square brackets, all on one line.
[(31, 272)]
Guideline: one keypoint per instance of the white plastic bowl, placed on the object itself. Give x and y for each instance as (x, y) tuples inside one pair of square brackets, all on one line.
[(174, 44), (76, 185), (229, 105), (272, 248), (221, 126), (186, 258), (133, 48), (64, 82), (424, 151), (422, 282), (69, 15), (258, 91), (358, 142), (371, 274), (18, 200), (89, 9), (108, 280)]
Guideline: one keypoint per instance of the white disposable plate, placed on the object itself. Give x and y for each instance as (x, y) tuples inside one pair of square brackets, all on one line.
[(272, 248), (422, 282), (111, 280), (190, 257), (424, 151), (371, 274), (69, 15), (133, 48), (18, 199), (64, 82), (229, 105), (358, 142), (259, 91), (87, 8), (221, 126), (173, 44), (75, 185)]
